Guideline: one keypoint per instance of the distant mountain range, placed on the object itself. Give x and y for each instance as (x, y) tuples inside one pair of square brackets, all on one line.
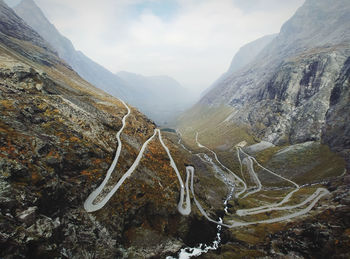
[(161, 98), (87, 68), (158, 109)]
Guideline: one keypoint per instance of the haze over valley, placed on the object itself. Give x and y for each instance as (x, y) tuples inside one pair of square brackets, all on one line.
[(183, 129)]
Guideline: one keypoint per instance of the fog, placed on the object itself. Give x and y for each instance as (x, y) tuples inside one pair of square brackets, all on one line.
[(192, 41)]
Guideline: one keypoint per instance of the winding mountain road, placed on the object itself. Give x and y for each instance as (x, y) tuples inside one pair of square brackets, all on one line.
[(312, 199), (250, 166), (89, 205), (184, 205), (217, 159)]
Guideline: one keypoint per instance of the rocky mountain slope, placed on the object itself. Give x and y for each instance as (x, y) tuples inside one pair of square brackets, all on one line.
[(248, 53), (243, 57), (58, 136), (57, 140), (161, 98), (288, 108), (285, 95)]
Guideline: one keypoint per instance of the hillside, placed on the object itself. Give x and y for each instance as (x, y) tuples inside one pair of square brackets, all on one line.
[(57, 140), (86, 68), (86, 175)]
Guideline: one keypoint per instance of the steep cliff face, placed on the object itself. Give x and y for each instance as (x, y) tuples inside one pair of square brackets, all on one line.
[(284, 94), (17, 31), (297, 97), (15, 27), (336, 131)]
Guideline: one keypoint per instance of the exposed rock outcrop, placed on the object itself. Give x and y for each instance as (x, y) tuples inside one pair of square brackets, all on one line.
[(336, 132)]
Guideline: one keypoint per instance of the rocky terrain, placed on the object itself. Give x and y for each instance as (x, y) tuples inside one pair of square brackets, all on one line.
[(292, 98), (57, 140), (324, 234)]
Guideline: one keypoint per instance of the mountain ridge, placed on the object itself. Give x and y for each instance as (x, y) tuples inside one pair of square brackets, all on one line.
[(87, 68), (245, 55)]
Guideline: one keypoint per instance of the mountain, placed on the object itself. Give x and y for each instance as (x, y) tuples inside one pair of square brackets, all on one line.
[(243, 57), (288, 109), (136, 90), (160, 97), (285, 94), (248, 52), (57, 141), (86, 68), (82, 174)]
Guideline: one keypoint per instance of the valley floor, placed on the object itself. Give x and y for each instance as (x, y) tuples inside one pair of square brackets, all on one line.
[(250, 202)]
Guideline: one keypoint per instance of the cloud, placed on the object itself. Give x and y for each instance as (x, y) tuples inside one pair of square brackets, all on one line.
[(190, 40)]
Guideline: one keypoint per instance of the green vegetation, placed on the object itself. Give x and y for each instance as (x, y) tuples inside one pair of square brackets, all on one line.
[(213, 130), (302, 163)]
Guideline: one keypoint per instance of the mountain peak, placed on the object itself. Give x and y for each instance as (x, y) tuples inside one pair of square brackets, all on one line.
[(12, 25), (319, 22), (33, 8)]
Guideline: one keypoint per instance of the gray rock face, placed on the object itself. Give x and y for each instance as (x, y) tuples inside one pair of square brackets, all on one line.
[(298, 84), (299, 95), (248, 53), (12, 27), (15, 27), (336, 131), (244, 56)]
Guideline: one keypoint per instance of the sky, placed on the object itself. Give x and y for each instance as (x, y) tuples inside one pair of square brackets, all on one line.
[(192, 41)]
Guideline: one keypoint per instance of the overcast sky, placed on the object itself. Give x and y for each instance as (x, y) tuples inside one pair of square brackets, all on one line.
[(190, 40)]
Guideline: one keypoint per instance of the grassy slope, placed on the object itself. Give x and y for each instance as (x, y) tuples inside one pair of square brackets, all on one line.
[(311, 164)]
